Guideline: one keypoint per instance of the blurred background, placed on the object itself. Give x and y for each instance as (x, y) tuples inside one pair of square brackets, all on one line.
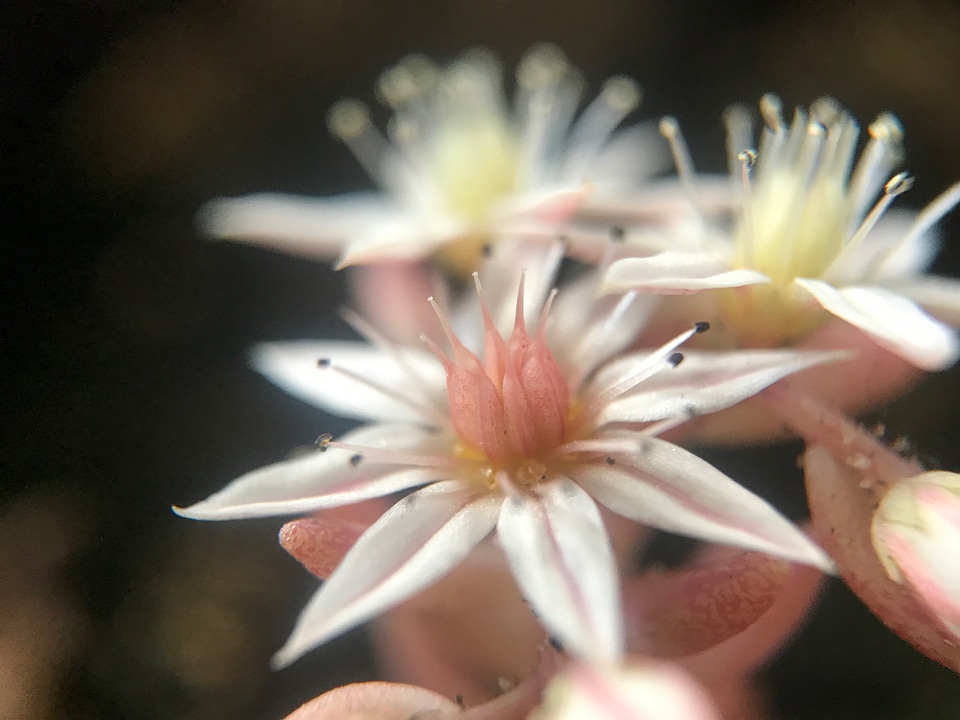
[(123, 334)]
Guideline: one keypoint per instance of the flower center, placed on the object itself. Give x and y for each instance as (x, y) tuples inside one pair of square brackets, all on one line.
[(806, 210), (510, 408)]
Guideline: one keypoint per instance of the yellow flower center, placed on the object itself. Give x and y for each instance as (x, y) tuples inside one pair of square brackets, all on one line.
[(803, 210)]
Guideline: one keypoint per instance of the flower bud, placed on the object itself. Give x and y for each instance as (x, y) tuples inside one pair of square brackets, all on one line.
[(916, 534)]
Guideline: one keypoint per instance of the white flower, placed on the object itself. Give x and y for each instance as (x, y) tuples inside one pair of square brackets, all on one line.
[(916, 534), (806, 240), (461, 168), (517, 437)]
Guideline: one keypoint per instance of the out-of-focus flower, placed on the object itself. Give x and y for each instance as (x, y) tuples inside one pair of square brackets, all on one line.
[(916, 533), (649, 691), (518, 441), (459, 168), (805, 240)]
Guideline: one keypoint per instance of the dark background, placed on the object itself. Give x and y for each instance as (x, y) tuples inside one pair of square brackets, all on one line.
[(123, 334)]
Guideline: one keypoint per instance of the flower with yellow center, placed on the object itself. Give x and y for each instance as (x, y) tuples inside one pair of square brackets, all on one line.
[(521, 436), (805, 239), (460, 168)]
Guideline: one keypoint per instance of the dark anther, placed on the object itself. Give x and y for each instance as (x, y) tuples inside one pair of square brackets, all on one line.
[(610, 460), (701, 327), (323, 362), (617, 233), (487, 250), (459, 700), (355, 459), (675, 359)]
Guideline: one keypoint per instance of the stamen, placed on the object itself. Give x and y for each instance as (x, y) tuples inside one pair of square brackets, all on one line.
[(660, 359), (808, 157), (739, 134), (414, 404), (897, 185), (412, 78), (927, 217), (349, 121), (388, 456), (775, 134), (876, 161), (541, 334), (619, 97), (670, 129), (747, 160), (542, 66), (930, 215), (373, 335), (771, 110)]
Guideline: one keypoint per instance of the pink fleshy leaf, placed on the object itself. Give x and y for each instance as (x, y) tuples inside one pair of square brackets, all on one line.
[(681, 612), (319, 543)]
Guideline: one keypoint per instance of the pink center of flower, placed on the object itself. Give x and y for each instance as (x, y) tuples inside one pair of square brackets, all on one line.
[(511, 406)]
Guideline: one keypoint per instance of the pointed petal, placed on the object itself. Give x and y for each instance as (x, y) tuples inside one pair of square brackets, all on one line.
[(704, 382), (410, 547), (299, 226), (895, 322), (402, 237), (294, 367), (324, 479), (561, 557), (669, 488), (939, 296), (676, 273)]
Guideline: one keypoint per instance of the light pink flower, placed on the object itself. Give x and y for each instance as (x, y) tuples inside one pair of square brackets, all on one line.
[(805, 240), (522, 436), (916, 533), (460, 167)]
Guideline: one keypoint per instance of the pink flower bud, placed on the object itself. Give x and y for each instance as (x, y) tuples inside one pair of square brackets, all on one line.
[(916, 534)]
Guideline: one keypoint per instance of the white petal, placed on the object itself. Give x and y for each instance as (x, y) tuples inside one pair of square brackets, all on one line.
[(411, 546), (294, 367), (300, 226), (324, 479), (895, 322), (405, 236), (666, 487), (939, 296), (676, 273), (704, 382), (561, 558)]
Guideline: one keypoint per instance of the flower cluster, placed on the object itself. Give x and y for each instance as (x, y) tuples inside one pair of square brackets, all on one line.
[(547, 409)]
